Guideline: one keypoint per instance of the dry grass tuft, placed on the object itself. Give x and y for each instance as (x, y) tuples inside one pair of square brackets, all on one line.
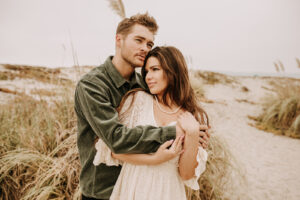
[(245, 101), (38, 153), (42, 74), (245, 89), (281, 111), (197, 85), (43, 92), (5, 90), (7, 75), (209, 77), (298, 62), (213, 77), (118, 7), (31, 68)]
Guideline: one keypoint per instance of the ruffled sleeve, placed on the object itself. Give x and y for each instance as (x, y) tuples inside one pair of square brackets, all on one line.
[(103, 155), (201, 160)]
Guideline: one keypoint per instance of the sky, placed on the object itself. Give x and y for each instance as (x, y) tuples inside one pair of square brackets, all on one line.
[(217, 35)]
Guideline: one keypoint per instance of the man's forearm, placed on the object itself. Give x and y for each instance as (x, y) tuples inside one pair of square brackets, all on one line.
[(102, 118), (141, 139)]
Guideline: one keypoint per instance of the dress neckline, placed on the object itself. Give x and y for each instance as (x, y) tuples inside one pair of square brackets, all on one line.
[(172, 123)]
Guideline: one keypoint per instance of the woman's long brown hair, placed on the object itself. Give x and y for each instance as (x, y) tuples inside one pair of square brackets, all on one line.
[(179, 87)]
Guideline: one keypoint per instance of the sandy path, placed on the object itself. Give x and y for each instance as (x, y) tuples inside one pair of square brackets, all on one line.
[(272, 163)]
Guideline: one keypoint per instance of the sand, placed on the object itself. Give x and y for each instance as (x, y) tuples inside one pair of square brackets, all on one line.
[(271, 162)]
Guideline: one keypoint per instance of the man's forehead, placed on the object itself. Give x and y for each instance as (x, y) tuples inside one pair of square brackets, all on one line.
[(142, 32)]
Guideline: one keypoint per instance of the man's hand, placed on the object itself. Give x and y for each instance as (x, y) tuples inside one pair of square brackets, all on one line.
[(204, 136)]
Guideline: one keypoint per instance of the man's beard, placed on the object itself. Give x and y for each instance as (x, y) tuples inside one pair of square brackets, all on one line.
[(132, 64)]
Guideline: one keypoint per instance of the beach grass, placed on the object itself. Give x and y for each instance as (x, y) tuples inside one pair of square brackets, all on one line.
[(38, 152), (281, 110)]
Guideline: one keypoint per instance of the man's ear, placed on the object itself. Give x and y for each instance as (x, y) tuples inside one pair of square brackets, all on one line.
[(119, 39)]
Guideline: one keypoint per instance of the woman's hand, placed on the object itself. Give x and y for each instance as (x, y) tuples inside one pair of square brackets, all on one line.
[(164, 154), (188, 123), (193, 129)]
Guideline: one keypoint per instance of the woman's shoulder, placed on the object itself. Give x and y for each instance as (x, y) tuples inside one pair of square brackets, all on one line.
[(140, 99), (138, 95), (143, 95)]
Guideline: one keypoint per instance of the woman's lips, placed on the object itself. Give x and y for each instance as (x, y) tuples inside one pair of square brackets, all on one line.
[(151, 85)]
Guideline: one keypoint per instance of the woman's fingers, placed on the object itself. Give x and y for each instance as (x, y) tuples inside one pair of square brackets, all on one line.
[(174, 145), (179, 144), (180, 152), (166, 144)]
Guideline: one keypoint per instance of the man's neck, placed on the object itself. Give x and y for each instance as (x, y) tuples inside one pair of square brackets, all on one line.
[(125, 69)]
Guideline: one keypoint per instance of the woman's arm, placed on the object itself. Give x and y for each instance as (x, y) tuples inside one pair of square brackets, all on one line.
[(188, 160), (163, 154)]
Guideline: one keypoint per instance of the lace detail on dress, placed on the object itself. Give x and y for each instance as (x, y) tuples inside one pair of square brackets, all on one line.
[(103, 155), (201, 160), (130, 112), (127, 112)]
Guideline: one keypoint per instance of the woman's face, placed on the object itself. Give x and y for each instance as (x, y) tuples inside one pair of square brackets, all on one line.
[(155, 77)]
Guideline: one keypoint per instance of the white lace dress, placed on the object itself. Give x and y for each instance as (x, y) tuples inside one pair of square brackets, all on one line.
[(147, 182)]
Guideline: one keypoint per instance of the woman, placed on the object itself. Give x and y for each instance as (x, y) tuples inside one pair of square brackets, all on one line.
[(161, 175)]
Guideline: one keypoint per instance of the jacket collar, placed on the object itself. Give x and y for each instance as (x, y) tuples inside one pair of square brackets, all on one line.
[(115, 75)]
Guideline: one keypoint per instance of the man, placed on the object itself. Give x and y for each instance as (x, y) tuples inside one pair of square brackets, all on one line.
[(97, 96)]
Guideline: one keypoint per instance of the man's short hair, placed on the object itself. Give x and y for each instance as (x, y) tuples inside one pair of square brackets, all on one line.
[(146, 20)]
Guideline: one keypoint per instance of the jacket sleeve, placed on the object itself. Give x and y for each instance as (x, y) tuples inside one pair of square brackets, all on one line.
[(96, 107)]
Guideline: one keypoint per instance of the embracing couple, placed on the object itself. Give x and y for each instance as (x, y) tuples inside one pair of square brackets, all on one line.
[(140, 136)]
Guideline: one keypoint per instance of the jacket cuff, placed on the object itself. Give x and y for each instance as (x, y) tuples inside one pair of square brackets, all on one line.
[(169, 133)]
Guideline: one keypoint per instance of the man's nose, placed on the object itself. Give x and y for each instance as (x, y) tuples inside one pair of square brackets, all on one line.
[(145, 47)]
